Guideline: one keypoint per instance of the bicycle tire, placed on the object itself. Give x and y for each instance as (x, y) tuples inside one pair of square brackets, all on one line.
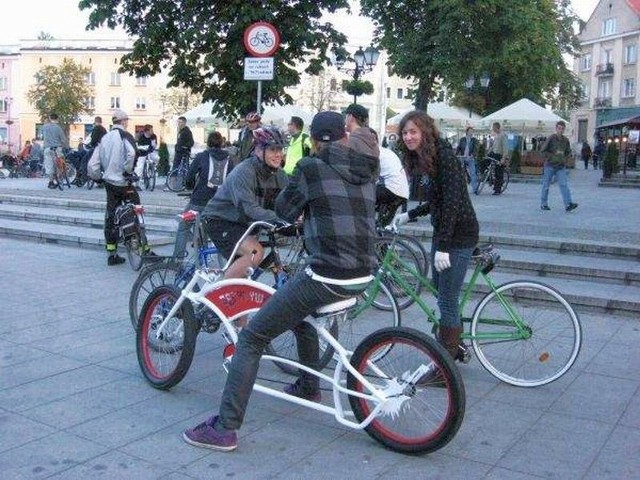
[(505, 180), (351, 330), (166, 360), (175, 180), (70, 174), (150, 277), (419, 249), (436, 404), (405, 253), (152, 177), (90, 183), (145, 176), (551, 325), (483, 179), (135, 245)]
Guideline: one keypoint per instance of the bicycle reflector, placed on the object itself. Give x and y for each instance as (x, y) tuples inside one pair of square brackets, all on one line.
[(188, 216)]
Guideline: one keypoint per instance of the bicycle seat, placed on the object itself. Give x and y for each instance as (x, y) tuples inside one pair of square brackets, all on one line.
[(336, 306)]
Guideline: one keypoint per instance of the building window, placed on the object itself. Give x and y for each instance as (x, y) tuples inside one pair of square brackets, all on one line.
[(90, 78), (399, 95), (333, 85), (115, 102), (141, 81), (90, 102), (629, 87), (604, 89), (115, 79), (585, 91), (609, 26), (141, 103), (607, 56), (585, 62), (4, 105), (582, 130), (3, 83), (630, 54), (388, 92)]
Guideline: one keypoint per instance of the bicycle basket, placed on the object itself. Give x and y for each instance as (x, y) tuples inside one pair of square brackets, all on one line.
[(126, 220)]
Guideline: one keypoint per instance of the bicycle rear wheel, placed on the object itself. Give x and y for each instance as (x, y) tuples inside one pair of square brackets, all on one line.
[(70, 174), (145, 176), (505, 180), (422, 414), (526, 334), (135, 245), (175, 180), (152, 177), (165, 359)]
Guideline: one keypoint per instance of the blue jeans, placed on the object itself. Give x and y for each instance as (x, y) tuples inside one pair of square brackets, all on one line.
[(470, 164), (449, 283), (185, 232), (286, 310), (561, 177)]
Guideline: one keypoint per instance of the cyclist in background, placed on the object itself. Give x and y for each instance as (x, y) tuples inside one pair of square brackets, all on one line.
[(207, 172), (184, 144), (54, 141), (500, 152), (245, 138)]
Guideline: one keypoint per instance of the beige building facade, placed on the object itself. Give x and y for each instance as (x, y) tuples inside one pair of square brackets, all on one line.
[(608, 67)]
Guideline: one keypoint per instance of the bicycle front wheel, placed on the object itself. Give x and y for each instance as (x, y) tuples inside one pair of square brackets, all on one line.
[(526, 334), (165, 357), (175, 180), (426, 396), (145, 176)]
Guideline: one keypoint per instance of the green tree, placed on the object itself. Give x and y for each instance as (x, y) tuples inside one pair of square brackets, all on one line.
[(63, 90), (201, 44), (357, 87), (519, 44)]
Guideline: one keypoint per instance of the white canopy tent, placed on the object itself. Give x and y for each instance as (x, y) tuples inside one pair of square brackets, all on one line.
[(201, 115), (447, 117), (524, 116), (277, 115)]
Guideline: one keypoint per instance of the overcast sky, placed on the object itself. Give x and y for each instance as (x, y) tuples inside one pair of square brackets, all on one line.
[(62, 19)]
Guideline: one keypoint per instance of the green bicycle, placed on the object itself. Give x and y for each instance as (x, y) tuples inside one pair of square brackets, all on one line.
[(524, 333)]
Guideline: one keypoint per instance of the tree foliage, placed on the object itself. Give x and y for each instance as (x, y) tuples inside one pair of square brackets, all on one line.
[(63, 90), (357, 88), (519, 44), (201, 43)]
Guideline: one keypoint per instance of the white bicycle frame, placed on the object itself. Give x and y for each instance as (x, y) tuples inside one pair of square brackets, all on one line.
[(226, 294)]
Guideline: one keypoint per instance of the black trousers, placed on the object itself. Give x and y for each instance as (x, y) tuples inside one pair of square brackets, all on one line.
[(115, 195)]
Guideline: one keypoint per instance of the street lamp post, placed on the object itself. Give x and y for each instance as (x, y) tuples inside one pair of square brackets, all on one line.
[(471, 81), (363, 60)]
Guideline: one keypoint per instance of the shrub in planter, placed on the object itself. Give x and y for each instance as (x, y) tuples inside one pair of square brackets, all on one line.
[(610, 164), (163, 163)]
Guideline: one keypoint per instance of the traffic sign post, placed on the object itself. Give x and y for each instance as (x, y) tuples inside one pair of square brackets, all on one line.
[(261, 40)]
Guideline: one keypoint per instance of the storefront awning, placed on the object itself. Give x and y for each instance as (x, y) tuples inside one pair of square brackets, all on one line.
[(620, 122)]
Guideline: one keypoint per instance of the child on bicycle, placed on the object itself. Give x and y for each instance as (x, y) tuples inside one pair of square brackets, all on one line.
[(335, 190)]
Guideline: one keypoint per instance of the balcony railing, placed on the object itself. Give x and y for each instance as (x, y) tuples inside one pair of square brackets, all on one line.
[(601, 102), (604, 69)]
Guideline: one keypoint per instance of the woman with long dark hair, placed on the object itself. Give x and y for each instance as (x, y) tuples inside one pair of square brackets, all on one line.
[(455, 227)]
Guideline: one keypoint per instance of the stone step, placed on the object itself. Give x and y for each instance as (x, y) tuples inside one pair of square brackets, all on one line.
[(162, 225), (559, 265), (531, 242), (66, 234), (584, 296)]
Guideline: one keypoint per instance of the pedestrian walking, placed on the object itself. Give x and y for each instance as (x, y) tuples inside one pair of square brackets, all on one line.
[(557, 152), (54, 141)]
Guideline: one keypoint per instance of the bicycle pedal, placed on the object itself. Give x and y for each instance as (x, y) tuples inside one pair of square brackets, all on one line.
[(464, 353)]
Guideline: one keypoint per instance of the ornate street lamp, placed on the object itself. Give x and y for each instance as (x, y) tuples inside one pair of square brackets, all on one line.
[(470, 83), (364, 61)]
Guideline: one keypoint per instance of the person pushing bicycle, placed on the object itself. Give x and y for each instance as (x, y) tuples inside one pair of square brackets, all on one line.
[(335, 188), (117, 155)]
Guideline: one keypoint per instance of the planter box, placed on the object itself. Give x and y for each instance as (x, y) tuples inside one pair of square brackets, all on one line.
[(527, 170)]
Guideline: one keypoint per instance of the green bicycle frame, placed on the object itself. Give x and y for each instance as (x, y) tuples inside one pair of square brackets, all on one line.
[(390, 268)]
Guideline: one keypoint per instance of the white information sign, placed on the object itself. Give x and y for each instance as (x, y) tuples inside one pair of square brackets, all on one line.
[(258, 68), (634, 136)]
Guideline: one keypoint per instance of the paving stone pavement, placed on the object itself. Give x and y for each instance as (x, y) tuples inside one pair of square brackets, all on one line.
[(74, 405)]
